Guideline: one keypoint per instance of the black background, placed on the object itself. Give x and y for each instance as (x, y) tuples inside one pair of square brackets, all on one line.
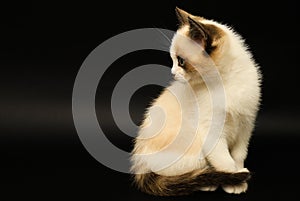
[(43, 45)]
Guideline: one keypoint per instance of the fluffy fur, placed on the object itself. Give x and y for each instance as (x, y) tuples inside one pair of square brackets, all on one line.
[(166, 156)]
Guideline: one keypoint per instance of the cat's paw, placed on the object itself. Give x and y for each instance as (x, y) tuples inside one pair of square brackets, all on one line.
[(237, 189), (209, 188), (244, 170)]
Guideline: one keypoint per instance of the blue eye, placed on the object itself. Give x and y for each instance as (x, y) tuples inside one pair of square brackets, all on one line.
[(181, 61)]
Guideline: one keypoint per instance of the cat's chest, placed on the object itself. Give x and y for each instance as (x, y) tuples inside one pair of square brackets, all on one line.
[(195, 102), (198, 107)]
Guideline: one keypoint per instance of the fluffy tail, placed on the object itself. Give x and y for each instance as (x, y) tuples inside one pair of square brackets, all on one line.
[(187, 183)]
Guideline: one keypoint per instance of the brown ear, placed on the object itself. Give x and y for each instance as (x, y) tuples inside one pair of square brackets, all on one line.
[(182, 16), (197, 30), (205, 34)]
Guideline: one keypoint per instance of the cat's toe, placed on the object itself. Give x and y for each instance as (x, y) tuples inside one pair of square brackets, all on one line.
[(244, 170), (209, 188), (237, 189)]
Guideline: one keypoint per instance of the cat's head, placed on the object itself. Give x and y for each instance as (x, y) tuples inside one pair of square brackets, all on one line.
[(197, 42)]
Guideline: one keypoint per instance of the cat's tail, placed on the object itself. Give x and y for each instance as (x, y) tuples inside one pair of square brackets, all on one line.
[(187, 183)]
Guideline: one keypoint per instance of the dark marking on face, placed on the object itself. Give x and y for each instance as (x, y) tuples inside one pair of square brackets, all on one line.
[(185, 65), (181, 62)]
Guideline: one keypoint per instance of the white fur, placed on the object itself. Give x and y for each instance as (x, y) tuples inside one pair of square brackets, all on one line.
[(187, 114)]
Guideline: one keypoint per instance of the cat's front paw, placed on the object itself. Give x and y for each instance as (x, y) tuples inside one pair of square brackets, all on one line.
[(209, 188), (236, 189)]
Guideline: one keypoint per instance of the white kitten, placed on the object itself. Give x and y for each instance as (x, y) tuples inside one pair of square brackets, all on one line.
[(166, 159)]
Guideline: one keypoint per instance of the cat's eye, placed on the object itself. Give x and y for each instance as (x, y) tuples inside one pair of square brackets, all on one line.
[(181, 61)]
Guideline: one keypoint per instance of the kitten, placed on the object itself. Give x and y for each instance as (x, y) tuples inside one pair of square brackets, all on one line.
[(178, 122)]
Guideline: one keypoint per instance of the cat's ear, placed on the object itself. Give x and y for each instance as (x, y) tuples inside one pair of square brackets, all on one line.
[(182, 16), (208, 35), (197, 31)]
